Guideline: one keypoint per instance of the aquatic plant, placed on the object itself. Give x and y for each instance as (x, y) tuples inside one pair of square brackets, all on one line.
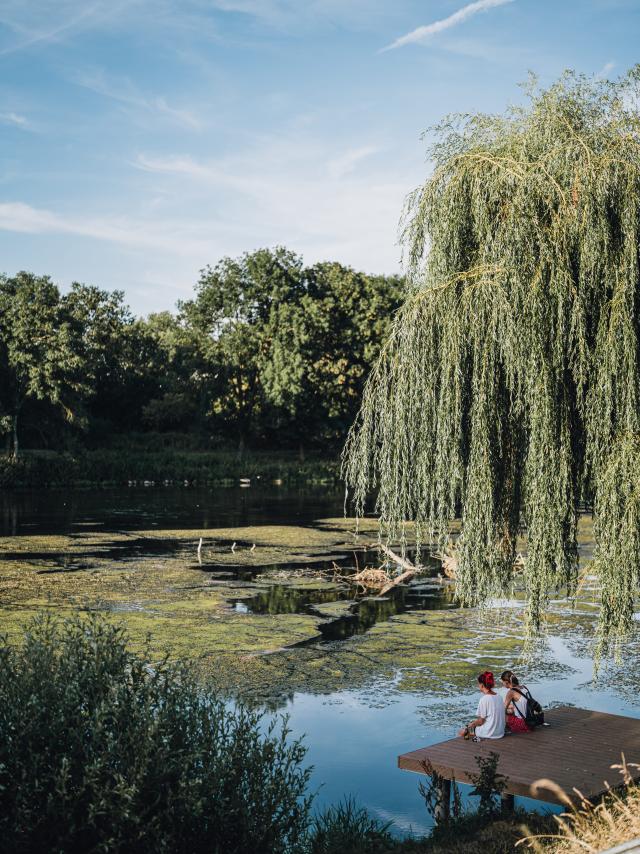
[(102, 751), (509, 388)]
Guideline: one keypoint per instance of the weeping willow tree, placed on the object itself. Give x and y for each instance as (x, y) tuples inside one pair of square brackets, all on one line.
[(508, 392)]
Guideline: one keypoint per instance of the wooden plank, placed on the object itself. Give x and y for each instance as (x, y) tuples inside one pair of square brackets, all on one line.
[(576, 751)]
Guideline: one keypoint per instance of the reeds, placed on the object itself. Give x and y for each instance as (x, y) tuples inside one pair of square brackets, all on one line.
[(589, 828)]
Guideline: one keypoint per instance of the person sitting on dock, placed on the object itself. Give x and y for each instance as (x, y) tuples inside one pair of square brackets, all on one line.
[(490, 721), (515, 702)]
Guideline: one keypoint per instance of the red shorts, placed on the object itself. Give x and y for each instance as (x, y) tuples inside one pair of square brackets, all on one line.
[(517, 724)]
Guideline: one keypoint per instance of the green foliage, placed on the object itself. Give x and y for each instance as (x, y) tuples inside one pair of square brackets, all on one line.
[(40, 349), (236, 305), (100, 751), (432, 790), (508, 389), (349, 828), (489, 784), (267, 353), (284, 350), (170, 412), (122, 464)]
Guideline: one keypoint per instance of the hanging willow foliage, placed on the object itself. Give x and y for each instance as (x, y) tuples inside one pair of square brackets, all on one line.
[(508, 391)]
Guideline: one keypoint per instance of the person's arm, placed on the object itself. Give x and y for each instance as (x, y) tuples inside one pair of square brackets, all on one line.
[(508, 697), (470, 727)]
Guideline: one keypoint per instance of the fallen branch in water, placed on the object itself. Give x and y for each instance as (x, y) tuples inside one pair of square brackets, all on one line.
[(410, 569), (401, 561), (400, 579), (368, 578)]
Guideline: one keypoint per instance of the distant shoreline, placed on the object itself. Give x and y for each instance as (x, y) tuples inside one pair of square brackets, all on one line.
[(166, 467)]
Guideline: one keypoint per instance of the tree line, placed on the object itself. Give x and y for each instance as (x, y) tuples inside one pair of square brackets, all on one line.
[(268, 352)]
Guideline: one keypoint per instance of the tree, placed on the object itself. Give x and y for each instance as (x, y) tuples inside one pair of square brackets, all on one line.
[(167, 370), (40, 350), (235, 302), (509, 388), (351, 314), (102, 324), (322, 347)]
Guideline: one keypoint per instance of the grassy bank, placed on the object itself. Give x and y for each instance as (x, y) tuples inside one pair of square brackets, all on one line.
[(119, 466)]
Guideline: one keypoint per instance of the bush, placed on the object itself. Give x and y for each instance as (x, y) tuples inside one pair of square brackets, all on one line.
[(349, 828), (99, 751)]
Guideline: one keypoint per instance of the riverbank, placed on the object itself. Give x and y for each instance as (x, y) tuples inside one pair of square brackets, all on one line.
[(151, 466)]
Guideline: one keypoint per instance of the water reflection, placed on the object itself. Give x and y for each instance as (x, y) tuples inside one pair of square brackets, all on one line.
[(48, 511), (283, 599), (362, 613)]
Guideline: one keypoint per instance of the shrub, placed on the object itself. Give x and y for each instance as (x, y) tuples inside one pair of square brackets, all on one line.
[(349, 828), (489, 784), (99, 751)]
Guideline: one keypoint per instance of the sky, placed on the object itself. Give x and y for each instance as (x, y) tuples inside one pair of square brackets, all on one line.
[(141, 140)]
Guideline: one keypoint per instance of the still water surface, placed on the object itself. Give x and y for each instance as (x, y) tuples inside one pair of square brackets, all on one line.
[(353, 736)]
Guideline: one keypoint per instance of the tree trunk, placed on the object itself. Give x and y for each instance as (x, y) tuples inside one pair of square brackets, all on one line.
[(301, 452), (14, 436)]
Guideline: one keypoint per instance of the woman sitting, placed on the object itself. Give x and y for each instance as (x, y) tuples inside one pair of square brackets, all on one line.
[(490, 720), (515, 702)]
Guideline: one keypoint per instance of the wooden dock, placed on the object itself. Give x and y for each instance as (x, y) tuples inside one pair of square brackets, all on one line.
[(576, 751)]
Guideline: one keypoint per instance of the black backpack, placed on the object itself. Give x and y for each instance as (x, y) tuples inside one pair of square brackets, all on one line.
[(535, 714)]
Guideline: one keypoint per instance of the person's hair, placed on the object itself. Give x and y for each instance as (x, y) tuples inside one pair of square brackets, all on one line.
[(487, 679), (510, 677)]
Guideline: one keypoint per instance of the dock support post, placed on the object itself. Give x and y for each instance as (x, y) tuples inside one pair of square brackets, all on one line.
[(441, 812), (507, 803)]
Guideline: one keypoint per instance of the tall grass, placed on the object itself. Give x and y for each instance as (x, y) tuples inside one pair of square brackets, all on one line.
[(596, 827), (350, 828)]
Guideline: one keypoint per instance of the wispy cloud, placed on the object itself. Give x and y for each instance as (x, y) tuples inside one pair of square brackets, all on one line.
[(345, 163), (124, 92), (38, 23), (125, 231), (292, 189), (30, 35), (298, 190), (423, 34), (15, 119), (606, 69)]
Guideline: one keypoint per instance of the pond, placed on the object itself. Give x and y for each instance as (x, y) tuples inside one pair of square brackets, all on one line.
[(249, 583)]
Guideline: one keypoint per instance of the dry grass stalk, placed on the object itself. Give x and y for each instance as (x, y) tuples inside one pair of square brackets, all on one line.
[(369, 578), (593, 828), (450, 561)]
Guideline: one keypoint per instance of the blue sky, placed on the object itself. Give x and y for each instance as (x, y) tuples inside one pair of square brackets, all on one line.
[(143, 139)]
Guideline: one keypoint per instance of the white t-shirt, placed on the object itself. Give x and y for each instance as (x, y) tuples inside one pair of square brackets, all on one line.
[(491, 708)]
